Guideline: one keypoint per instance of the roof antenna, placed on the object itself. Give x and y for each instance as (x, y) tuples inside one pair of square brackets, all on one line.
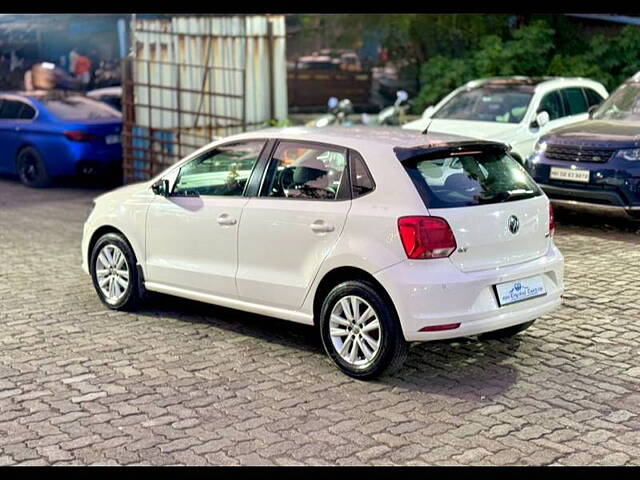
[(426, 130)]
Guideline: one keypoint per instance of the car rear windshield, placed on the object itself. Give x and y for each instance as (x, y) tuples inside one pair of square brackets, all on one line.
[(463, 179), (80, 108), (504, 105)]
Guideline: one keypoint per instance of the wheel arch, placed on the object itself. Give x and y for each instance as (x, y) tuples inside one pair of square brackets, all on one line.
[(342, 274), (99, 232)]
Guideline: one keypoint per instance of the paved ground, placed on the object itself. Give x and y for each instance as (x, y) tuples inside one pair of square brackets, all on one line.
[(186, 383)]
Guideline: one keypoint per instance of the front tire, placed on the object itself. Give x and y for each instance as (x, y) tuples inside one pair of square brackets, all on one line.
[(361, 332), (31, 169), (114, 273), (506, 332)]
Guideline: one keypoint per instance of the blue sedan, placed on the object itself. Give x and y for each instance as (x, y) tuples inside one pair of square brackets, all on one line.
[(45, 135)]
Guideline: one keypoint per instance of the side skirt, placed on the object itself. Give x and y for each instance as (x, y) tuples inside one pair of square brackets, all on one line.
[(282, 313)]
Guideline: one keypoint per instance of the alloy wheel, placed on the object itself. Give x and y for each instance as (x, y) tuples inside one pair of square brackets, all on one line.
[(112, 273), (355, 331)]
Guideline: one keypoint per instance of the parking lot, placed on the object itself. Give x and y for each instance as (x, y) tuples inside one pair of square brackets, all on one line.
[(179, 382)]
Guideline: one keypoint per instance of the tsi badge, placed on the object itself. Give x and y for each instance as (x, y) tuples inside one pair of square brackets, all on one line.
[(514, 224)]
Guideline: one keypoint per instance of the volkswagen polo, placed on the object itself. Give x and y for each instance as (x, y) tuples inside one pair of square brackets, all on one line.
[(377, 236)]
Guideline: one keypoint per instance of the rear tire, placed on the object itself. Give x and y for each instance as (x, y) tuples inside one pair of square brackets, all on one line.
[(506, 332), (364, 339), (31, 169), (114, 272)]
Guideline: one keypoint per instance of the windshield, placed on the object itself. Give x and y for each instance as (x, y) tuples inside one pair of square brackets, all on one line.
[(623, 104), (467, 179), (502, 105), (76, 107)]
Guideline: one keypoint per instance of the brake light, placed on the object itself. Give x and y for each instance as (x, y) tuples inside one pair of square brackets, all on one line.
[(552, 221), (426, 237), (78, 136)]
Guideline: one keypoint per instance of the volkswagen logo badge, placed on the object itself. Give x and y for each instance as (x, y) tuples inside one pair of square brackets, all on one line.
[(514, 224)]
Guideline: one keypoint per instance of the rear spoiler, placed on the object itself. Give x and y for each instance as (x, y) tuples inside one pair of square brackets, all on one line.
[(406, 153)]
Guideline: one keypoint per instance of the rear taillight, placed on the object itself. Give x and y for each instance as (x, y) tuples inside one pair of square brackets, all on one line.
[(552, 221), (78, 136), (426, 237)]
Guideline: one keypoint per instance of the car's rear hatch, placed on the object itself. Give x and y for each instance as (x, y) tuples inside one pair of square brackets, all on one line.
[(498, 215)]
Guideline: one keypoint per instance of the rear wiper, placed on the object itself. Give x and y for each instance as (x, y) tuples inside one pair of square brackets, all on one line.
[(513, 194), (506, 195)]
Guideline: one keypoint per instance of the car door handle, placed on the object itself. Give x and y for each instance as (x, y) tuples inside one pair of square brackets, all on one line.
[(320, 227), (225, 219)]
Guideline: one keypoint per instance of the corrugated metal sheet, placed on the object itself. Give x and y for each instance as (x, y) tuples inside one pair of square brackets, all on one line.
[(201, 77)]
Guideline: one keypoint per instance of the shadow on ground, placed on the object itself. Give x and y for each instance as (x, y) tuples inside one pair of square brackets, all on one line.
[(464, 368)]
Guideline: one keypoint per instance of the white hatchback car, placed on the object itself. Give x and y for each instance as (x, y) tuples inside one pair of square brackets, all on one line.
[(512, 110), (377, 236)]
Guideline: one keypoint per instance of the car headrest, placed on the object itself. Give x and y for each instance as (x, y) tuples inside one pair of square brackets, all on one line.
[(311, 172), (459, 181)]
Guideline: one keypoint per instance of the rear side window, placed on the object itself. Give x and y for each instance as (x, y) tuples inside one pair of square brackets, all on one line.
[(361, 180), (476, 178), (574, 100), (306, 172), (75, 107), (593, 97)]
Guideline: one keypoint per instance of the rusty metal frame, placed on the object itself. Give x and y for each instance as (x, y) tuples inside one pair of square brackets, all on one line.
[(146, 150)]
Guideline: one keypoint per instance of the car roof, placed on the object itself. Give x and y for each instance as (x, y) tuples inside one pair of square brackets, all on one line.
[(526, 84), (363, 137), (44, 94)]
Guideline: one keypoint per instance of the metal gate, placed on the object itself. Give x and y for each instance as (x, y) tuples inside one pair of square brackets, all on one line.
[(191, 80)]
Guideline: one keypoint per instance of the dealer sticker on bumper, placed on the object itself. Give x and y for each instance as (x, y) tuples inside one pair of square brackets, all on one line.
[(512, 292)]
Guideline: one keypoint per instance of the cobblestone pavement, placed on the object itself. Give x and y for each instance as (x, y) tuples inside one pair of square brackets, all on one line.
[(180, 382)]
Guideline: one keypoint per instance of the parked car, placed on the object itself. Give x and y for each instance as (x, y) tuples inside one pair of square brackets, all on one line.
[(376, 235), (594, 165), (50, 134), (512, 110), (110, 95)]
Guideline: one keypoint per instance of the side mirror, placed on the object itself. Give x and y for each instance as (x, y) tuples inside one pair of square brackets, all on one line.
[(542, 118), (402, 96), (592, 109), (161, 187)]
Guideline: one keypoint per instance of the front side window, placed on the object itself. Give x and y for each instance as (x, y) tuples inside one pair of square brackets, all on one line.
[(468, 179), (15, 110), (574, 100), (304, 171), (502, 105), (623, 104), (593, 97), (222, 171), (552, 104)]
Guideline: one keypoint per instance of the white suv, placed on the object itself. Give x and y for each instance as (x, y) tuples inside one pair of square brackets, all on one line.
[(377, 236), (512, 110)]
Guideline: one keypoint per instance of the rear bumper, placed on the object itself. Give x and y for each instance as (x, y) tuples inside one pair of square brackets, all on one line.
[(435, 292)]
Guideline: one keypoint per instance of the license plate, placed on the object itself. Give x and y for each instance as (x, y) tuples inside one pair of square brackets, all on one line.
[(520, 290), (111, 139), (569, 174)]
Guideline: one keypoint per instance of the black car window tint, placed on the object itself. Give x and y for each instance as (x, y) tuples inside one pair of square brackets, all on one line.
[(27, 112), (575, 100), (10, 109), (593, 97), (361, 180), (552, 104)]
